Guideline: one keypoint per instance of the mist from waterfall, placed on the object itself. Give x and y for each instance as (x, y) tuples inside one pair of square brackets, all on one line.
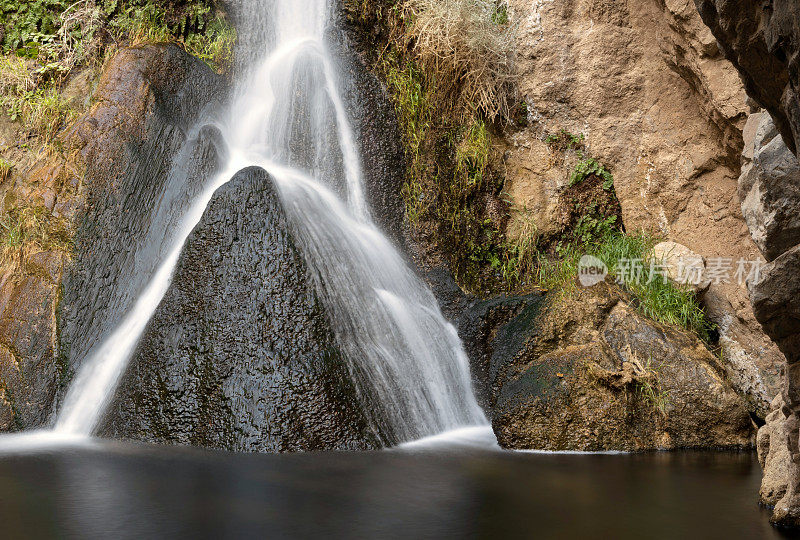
[(287, 116)]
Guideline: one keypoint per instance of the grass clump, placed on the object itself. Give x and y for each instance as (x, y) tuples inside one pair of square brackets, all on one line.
[(627, 257), (29, 228), (42, 111), (5, 169), (469, 45), (649, 388)]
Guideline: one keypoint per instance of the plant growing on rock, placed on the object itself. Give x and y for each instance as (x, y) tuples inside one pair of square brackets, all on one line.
[(563, 140), (587, 167), (469, 45), (29, 228), (5, 169)]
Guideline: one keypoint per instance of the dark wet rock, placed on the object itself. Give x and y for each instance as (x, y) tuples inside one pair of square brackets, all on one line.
[(588, 372), (148, 103), (382, 152), (239, 354), (383, 155), (776, 304), (490, 331), (762, 40), (452, 300), (30, 370)]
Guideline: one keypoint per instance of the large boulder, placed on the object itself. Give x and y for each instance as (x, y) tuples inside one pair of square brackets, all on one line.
[(769, 188), (762, 40), (239, 354), (146, 120), (107, 183), (586, 371), (681, 265)]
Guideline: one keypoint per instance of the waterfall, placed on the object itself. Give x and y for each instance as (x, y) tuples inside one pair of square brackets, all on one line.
[(287, 116)]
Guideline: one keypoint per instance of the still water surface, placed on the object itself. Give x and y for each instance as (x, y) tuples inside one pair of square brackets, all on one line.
[(119, 490)]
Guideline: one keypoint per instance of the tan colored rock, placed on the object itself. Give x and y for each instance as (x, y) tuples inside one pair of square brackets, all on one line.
[(589, 372), (773, 455), (752, 362), (664, 111), (681, 265), (769, 189)]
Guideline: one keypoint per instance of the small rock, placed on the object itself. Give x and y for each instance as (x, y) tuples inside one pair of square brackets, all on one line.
[(681, 265)]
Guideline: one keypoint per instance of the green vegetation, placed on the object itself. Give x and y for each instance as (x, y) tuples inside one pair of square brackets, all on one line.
[(42, 111), (199, 29), (407, 84), (564, 140), (5, 169), (649, 389), (623, 254), (587, 167), (46, 40), (25, 227), (448, 67)]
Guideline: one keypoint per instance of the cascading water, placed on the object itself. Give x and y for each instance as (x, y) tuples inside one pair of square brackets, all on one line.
[(287, 116)]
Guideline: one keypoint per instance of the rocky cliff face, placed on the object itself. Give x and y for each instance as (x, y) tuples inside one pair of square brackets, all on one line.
[(771, 204), (664, 111), (146, 106), (762, 40), (239, 354)]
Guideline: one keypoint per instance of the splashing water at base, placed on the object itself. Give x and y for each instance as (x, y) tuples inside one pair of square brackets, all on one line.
[(287, 116)]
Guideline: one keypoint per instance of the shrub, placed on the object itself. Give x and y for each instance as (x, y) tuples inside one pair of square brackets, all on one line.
[(469, 45), (590, 166)]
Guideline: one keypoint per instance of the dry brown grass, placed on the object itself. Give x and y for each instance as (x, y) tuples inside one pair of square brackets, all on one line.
[(75, 44), (470, 46), (15, 77)]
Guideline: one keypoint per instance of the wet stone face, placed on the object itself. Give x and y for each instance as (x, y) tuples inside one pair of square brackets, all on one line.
[(239, 354)]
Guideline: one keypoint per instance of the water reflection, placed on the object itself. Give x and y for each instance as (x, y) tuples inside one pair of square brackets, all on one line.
[(126, 491)]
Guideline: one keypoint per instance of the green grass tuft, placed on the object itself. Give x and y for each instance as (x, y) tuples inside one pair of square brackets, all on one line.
[(658, 299)]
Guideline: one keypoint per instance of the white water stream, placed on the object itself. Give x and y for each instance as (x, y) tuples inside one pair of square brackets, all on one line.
[(287, 116)]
